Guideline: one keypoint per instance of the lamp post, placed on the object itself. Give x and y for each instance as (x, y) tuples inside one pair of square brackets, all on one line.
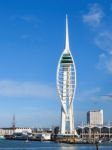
[(109, 129)]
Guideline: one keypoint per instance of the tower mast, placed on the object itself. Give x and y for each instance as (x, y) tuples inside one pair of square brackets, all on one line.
[(67, 36)]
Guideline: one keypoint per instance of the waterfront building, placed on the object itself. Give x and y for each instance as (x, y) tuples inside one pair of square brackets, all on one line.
[(6, 131), (21, 130), (11, 131), (95, 117), (89, 132), (66, 85)]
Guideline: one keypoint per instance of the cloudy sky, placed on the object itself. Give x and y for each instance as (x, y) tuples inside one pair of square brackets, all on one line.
[(32, 36)]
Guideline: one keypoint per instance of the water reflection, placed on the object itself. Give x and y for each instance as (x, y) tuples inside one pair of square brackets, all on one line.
[(68, 147)]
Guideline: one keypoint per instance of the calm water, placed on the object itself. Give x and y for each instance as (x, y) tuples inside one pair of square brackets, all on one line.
[(21, 145)]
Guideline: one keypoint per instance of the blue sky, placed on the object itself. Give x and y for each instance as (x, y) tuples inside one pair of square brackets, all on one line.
[(32, 36)]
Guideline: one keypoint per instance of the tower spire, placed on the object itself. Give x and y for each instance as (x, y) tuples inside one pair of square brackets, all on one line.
[(67, 37)]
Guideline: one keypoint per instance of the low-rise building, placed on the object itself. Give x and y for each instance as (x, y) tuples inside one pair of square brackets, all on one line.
[(10, 131)]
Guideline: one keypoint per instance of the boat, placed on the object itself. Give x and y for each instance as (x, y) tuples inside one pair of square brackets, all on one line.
[(27, 140), (2, 137), (100, 141), (43, 136)]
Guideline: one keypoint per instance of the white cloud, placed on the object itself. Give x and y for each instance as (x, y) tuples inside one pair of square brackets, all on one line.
[(109, 65), (94, 95), (89, 94), (16, 88), (94, 16), (26, 18), (104, 42), (106, 98), (102, 61), (105, 62)]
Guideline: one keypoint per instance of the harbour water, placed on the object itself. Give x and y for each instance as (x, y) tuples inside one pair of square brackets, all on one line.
[(34, 145)]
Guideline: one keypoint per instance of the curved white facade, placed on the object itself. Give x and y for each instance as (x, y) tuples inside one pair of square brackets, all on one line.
[(66, 85)]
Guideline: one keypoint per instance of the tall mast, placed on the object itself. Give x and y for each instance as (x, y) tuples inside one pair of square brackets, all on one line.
[(13, 122), (67, 49)]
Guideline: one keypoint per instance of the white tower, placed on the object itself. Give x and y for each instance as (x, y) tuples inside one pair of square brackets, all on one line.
[(66, 85)]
